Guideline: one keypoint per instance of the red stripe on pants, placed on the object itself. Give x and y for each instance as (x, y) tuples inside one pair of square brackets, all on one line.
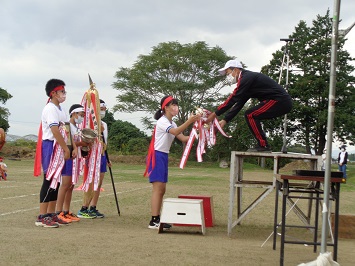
[(254, 126)]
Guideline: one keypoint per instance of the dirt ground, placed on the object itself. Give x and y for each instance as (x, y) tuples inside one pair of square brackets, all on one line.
[(126, 240)]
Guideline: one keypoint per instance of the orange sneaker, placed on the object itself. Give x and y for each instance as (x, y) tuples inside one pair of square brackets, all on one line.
[(72, 217), (63, 218)]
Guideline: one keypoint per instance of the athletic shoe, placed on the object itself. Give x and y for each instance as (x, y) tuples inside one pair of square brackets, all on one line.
[(72, 217), (96, 212), (46, 222), (60, 219), (62, 216), (260, 149), (86, 214), (155, 225)]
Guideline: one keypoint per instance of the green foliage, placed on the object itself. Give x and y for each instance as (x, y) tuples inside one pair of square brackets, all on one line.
[(137, 146), (109, 119), (123, 136), (23, 143), (350, 180), (309, 87), (4, 112), (187, 72)]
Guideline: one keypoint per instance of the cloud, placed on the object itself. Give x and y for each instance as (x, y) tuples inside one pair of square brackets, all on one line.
[(68, 39)]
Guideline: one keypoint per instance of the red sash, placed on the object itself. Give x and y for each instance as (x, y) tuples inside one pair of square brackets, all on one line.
[(150, 156)]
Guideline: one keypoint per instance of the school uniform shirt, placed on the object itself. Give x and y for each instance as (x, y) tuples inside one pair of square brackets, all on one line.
[(75, 131), (51, 116), (251, 85), (163, 139), (105, 132)]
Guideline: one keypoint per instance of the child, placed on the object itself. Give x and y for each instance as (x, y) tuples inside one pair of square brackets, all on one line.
[(71, 168), (52, 117), (88, 210), (157, 162)]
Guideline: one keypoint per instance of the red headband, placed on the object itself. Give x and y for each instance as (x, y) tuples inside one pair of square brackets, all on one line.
[(166, 101), (61, 87)]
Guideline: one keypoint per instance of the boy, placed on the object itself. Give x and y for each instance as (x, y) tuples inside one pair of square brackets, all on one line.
[(70, 173), (88, 210), (53, 117)]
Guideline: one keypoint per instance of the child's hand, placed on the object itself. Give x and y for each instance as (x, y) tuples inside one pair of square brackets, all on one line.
[(193, 118), (75, 153)]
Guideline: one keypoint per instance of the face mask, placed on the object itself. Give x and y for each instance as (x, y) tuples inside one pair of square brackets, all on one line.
[(175, 110), (102, 114), (62, 98), (230, 79), (79, 120)]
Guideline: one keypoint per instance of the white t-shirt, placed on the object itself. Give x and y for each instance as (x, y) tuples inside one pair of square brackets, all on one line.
[(74, 130), (105, 132), (163, 139), (51, 116), (342, 156)]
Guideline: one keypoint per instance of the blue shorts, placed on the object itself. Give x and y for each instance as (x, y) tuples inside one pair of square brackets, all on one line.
[(160, 171), (47, 150), (103, 165), (68, 168)]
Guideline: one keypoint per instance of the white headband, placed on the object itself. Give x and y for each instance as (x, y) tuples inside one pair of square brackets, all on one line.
[(103, 105), (77, 110)]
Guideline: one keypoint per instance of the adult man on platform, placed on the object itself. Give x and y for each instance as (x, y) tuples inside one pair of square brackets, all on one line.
[(274, 101)]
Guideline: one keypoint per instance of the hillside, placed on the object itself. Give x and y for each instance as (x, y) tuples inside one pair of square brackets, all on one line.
[(10, 137)]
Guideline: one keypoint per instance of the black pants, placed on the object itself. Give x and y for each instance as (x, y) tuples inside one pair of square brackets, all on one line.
[(48, 194), (267, 109)]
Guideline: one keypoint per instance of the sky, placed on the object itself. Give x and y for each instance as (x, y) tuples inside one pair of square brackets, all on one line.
[(67, 39)]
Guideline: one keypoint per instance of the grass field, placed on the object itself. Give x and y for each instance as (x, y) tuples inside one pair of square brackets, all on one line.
[(125, 239)]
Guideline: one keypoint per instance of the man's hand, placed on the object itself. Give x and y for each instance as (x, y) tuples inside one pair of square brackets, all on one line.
[(211, 117), (222, 123)]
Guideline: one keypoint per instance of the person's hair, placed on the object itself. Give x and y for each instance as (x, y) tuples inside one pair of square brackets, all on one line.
[(74, 106), (52, 84), (160, 112), (102, 101)]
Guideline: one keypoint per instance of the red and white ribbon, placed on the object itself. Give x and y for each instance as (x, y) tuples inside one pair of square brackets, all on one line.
[(77, 162), (57, 161), (205, 133), (93, 161)]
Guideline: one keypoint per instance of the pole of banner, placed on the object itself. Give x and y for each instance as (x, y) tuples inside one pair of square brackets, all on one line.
[(113, 183)]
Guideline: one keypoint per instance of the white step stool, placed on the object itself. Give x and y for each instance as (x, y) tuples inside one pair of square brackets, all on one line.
[(183, 212)]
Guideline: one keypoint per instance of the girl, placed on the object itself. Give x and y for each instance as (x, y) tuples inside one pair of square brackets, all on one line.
[(157, 162)]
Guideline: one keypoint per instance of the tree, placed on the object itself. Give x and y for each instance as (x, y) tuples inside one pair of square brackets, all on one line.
[(123, 137), (187, 72), (309, 87), (4, 112), (109, 119)]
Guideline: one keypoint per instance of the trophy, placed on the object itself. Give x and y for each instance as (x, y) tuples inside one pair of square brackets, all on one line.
[(88, 136)]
